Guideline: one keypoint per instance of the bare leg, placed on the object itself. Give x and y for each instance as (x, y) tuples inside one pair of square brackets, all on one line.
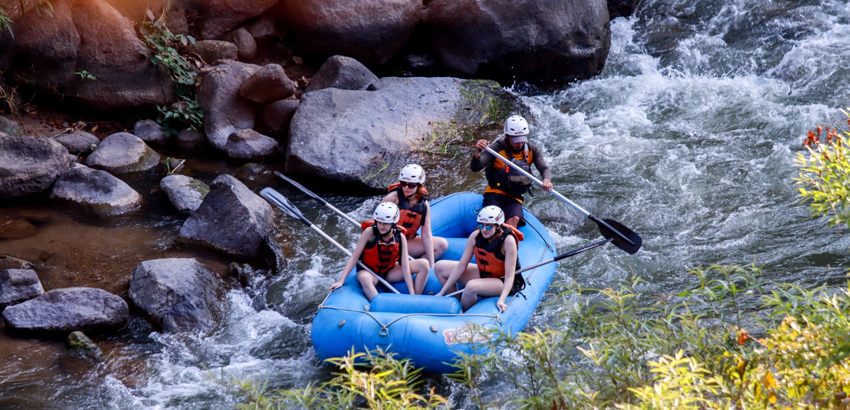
[(421, 269), (480, 287), (368, 282), (512, 221), (416, 248)]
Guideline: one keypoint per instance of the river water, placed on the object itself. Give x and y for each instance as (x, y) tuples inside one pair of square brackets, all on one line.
[(687, 137)]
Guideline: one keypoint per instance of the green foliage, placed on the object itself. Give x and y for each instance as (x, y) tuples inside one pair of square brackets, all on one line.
[(85, 75), (165, 47), (6, 24), (824, 174)]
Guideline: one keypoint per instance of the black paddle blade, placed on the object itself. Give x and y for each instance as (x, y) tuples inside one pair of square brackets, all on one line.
[(299, 186), (617, 240), (281, 202)]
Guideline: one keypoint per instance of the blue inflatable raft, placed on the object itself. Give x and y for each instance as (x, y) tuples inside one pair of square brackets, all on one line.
[(429, 329)]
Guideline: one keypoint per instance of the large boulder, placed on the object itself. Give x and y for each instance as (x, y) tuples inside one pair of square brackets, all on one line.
[(18, 285), (121, 64), (539, 41), (179, 294), (342, 72), (95, 191), (45, 48), (250, 145), (62, 311), (249, 222), (225, 111), (222, 16), (364, 137), (268, 84), (14, 10), (372, 31), (123, 153), (29, 165), (78, 142), (274, 119)]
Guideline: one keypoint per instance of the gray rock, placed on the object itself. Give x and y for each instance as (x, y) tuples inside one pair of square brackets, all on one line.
[(9, 127), (222, 16), (249, 220), (123, 153), (225, 112), (274, 119), (78, 141), (214, 50), (179, 294), (95, 191), (62, 311), (245, 44), (29, 165), (81, 345), (185, 193), (18, 285), (540, 41), (342, 72), (176, 21), (191, 138), (268, 84), (150, 132), (11, 262), (250, 145)]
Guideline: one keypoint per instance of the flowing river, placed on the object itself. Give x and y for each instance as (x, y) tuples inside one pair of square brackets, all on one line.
[(687, 137)]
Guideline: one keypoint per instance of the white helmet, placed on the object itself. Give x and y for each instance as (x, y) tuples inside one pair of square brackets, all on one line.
[(515, 125), (491, 214), (412, 173), (386, 212)]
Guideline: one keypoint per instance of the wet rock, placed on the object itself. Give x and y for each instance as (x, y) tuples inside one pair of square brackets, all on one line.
[(222, 16), (78, 141), (175, 20), (123, 153), (371, 31), (15, 9), (150, 132), (9, 127), (245, 44), (185, 193), (111, 51), (11, 262), (179, 294), (82, 346), (214, 50), (29, 164), (249, 220), (191, 138), (342, 72), (539, 41), (274, 119), (268, 84), (225, 111), (621, 8), (16, 229), (96, 192), (62, 311), (18, 285), (250, 145)]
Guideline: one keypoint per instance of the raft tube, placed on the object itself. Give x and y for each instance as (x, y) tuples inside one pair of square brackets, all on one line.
[(432, 330)]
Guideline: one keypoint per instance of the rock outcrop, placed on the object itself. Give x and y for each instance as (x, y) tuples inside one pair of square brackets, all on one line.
[(29, 165), (61, 311)]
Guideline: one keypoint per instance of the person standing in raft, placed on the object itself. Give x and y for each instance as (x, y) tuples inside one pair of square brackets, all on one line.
[(505, 188), (383, 248), (494, 245), (412, 199)]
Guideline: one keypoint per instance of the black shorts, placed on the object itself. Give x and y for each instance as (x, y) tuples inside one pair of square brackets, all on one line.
[(510, 206), (519, 284)]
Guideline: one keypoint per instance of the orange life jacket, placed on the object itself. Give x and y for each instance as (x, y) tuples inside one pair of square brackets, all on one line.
[(379, 256), (489, 256), (410, 218), (501, 180)]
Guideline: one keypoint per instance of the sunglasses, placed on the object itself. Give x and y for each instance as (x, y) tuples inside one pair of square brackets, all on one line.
[(486, 227), (410, 185)]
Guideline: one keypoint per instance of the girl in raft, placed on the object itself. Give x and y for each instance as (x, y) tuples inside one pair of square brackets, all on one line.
[(412, 199), (494, 245), (383, 248)]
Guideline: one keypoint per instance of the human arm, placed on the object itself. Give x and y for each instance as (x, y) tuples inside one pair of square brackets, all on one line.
[(481, 158), (427, 238), (542, 168), (391, 197), (405, 266), (509, 248), (460, 267), (355, 256)]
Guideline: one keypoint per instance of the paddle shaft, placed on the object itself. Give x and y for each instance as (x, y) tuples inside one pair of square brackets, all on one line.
[(555, 259), (561, 197), (318, 198)]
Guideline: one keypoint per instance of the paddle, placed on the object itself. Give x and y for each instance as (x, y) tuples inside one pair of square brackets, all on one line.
[(316, 197), (281, 202), (555, 259), (621, 236)]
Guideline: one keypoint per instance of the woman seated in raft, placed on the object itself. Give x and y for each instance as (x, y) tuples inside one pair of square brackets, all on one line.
[(494, 245), (412, 198), (383, 248)]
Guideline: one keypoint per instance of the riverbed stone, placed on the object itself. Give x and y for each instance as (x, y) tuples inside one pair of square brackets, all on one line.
[(222, 16), (9, 127), (95, 191), (185, 193), (179, 294), (81, 345), (123, 153), (342, 72), (191, 138), (245, 44), (225, 111), (250, 145), (29, 165), (268, 84), (15, 228), (61, 311), (11, 262), (150, 132), (249, 221), (213, 50), (545, 42), (78, 142), (274, 119), (18, 285)]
